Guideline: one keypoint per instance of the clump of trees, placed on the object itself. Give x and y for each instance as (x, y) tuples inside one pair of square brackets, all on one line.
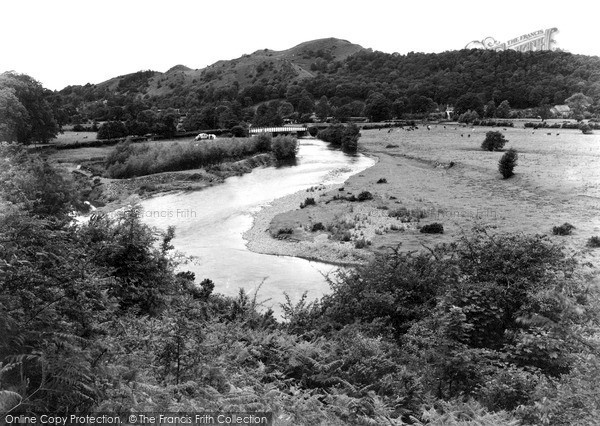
[(507, 163), (26, 111), (343, 136), (494, 141), (284, 147)]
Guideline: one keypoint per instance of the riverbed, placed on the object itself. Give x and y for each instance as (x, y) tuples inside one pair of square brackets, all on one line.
[(210, 225)]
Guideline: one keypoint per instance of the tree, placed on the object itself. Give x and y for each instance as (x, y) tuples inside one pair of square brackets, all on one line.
[(469, 101), (490, 109), (322, 108), (350, 136), (503, 110), (112, 130), (38, 124), (378, 107), (468, 117), (494, 141), (13, 116), (507, 163), (284, 148), (579, 103)]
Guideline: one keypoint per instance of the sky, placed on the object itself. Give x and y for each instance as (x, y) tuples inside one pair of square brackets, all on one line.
[(69, 42)]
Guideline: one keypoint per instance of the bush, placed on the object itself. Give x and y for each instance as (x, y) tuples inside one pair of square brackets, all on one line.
[(507, 163), (284, 147), (362, 243), (285, 231), (564, 229), (239, 131), (594, 242), (585, 128), (313, 131), (308, 202), (433, 228), (263, 142), (364, 196), (318, 227), (382, 180), (494, 141)]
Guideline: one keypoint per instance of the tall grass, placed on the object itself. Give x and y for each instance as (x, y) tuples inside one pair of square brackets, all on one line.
[(129, 160)]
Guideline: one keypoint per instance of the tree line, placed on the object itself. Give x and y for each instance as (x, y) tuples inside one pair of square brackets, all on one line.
[(372, 84)]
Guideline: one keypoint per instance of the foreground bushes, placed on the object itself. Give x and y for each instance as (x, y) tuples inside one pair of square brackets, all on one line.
[(495, 329)]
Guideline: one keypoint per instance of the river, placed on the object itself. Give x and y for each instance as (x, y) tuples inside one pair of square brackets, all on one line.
[(209, 225)]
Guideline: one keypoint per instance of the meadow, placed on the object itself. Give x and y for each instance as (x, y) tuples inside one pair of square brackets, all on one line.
[(443, 176)]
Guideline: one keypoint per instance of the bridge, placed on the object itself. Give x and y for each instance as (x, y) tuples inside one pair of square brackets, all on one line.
[(281, 130)]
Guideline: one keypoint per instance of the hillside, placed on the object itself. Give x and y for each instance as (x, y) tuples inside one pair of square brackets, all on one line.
[(349, 80)]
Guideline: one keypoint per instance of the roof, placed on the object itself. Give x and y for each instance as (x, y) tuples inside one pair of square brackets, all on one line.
[(562, 108)]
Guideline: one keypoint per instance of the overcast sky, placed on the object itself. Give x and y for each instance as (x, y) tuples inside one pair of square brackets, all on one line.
[(65, 42)]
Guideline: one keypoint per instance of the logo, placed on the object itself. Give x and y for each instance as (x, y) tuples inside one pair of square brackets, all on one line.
[(535, 41)]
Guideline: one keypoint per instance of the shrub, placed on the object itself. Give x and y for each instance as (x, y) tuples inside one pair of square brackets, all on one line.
[(362, 243), (239, 131), (318, 227), (308, 202), (263, 141), (313, 131), (285, 231), (284, 147), (585, 128), (507, 163), (382, 180), (494, 141), (564, 229), (364, 196), (594, 242), (433, 228)]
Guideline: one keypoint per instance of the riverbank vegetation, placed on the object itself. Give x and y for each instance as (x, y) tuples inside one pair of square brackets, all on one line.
[(496, 328), (130, 160)]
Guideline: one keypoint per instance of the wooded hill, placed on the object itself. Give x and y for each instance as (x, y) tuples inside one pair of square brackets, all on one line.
[(355, 81)]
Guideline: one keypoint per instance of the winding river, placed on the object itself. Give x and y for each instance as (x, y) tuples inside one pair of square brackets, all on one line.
[(210, 223)]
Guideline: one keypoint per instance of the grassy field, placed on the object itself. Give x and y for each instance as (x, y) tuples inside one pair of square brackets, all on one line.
[(444, 175), (69, 136)]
